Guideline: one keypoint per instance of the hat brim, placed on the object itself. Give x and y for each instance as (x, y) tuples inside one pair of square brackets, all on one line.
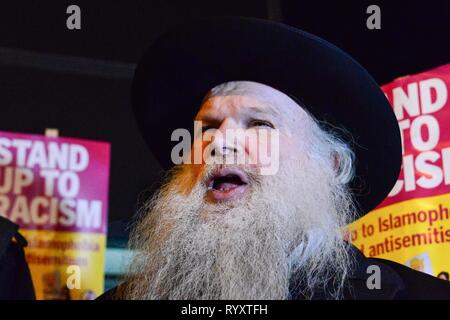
[(179, 69)]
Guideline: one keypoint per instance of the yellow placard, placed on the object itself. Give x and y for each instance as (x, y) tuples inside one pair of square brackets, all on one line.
[(414, 232)]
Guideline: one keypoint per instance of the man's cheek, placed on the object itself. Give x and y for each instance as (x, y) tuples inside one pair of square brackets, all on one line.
[(266, 152), (292, 148)]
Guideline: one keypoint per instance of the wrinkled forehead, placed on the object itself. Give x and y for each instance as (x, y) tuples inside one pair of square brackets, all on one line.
[(254, 95), (248, 88)]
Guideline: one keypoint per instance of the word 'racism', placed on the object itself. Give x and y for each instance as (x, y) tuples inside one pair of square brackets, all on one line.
[(40, 184)]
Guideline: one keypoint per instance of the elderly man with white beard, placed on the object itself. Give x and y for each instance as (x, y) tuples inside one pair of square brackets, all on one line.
[(221, 229), (225, 231)]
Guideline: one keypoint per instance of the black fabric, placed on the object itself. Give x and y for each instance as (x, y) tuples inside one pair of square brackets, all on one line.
[(179, 68), (398, 282), (418, 285), (15, 277), (108, 295), (7, 231)]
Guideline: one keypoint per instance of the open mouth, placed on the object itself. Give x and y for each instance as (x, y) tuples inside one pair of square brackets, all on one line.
[(227, 183)]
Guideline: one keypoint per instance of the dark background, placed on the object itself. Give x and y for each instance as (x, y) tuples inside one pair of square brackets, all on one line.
[(78, 80)]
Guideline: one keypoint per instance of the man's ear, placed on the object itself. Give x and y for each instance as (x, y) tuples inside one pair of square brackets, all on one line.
[(336, 161)]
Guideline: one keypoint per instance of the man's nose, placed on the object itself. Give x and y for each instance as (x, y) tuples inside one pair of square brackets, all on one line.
[(226, 140), (223, 151)]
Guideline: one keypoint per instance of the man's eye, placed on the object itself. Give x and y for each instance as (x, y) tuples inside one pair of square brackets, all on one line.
[(206, 128), (261, 123)]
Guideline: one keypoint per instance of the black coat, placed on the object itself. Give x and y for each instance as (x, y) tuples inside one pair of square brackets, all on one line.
[(15, 277), (398, 282)]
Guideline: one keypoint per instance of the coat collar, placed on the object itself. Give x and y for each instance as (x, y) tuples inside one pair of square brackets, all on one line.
[(356, 287)]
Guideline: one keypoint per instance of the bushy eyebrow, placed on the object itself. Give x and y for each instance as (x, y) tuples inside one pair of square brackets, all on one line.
[(268, 109), (249, 110)]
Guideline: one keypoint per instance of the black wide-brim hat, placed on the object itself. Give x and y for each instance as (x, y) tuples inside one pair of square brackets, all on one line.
[(181, 66)]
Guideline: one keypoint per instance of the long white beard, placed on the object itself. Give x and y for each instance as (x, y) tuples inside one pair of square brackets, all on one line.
[(289, 224)]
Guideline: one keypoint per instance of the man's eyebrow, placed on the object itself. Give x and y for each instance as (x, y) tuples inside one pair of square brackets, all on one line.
[(268, 109), (206, 118), (264, 110)]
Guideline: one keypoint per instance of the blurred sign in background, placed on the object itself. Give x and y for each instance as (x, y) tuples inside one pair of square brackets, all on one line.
[(412, 225), (56, 190)]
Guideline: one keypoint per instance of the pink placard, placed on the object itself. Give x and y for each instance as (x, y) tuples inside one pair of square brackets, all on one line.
[(54, 183)]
